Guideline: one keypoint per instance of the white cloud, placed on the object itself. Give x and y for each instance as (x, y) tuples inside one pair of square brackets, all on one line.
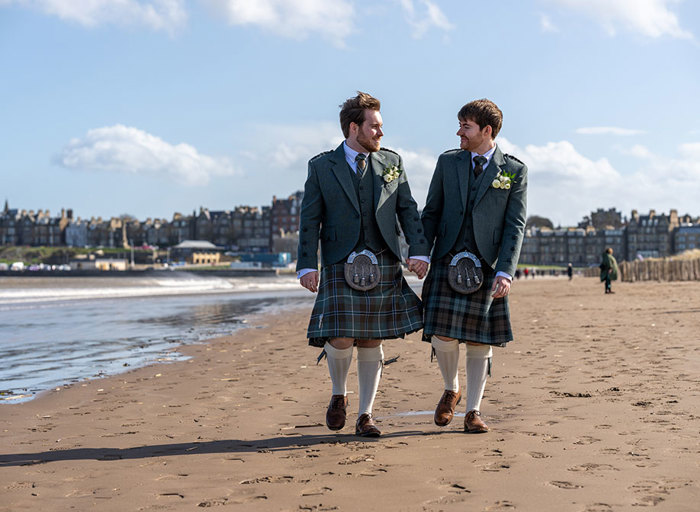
[(651, 18), (608, 130), (167, 15), (429, 17), (637, 151), (565, 185), (546, 24), (289, 147), (332, 19), (419, 166), (130, 150)]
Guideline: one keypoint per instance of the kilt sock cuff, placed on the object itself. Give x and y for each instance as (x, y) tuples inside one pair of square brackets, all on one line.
[(447, 353), (478, 359), (369, 371), (338, 366)]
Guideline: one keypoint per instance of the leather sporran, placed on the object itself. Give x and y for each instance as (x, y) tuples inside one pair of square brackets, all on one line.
[(464, 273), (362, 271)]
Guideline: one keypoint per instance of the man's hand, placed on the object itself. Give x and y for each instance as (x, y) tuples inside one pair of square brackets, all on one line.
[(500, 288), (418, 266), (310, 281)]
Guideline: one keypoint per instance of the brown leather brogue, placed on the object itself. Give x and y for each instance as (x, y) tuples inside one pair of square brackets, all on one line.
[(365, 426), (445, 410), (335, 415), (473, 424)]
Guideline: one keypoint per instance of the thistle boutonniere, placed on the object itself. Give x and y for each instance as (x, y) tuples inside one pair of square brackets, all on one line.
[(391, 173), (503, 180)]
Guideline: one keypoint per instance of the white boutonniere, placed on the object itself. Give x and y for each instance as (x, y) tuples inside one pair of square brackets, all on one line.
[(391, 173), (503, 180)]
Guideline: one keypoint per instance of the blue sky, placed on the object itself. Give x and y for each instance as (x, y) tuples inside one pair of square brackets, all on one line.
[(148, 107)]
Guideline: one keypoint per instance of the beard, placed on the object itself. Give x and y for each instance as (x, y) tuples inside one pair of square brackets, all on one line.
[(371, 145)]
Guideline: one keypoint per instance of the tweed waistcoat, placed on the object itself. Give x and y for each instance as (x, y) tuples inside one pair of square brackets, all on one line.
[(370, 236), (466, 239)]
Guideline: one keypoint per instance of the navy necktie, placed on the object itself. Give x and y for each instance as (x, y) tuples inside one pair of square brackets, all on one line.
[(361, 160), (479, 162)]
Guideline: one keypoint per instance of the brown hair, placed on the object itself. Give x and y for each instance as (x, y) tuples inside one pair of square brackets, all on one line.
[(353, 110), (484, 113)]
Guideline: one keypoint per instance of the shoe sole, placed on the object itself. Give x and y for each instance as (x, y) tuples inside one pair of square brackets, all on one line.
[(368, 434)]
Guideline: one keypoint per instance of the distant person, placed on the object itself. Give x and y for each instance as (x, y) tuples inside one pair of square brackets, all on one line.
[(517, 273), (526, 272), (352, 198), (533, 273), (608, 269), (570, 271), (475, 218)]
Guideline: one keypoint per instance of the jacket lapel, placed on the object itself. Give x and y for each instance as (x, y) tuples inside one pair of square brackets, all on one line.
[(380, 192), (342, 170), (495, 166), (463, 170)]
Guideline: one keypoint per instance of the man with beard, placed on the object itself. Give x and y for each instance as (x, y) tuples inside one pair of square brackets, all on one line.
[(475, 217), (352, 198)]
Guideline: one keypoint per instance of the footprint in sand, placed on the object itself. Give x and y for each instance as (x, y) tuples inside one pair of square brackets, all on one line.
[(501, 506), (320, 491), (598, 507), (593, 468), (539, 455), (565, 485)]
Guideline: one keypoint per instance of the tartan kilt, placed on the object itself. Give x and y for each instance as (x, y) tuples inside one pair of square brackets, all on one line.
[(476, 317), (389, 310)]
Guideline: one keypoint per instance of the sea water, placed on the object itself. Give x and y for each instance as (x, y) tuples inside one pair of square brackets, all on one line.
[(57, 331)]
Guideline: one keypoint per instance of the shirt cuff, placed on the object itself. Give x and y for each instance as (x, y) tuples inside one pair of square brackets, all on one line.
[(301, 273), (421, 258), (503, 274)]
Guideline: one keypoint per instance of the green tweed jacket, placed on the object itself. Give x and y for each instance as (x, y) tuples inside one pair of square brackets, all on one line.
[(330, 210), (498, 214)]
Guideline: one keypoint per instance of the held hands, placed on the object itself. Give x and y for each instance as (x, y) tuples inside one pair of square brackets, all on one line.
[(418, 266), (500, 288), (310, 281)]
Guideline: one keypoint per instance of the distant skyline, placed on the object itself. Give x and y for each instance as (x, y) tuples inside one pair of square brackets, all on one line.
[(149, 107)]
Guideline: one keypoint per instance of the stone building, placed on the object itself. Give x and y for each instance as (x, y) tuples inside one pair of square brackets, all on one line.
[(686, 238), (650, 236)]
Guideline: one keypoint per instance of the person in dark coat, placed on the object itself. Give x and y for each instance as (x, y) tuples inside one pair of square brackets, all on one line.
[(608, 269), (355, 197), (476, 203)]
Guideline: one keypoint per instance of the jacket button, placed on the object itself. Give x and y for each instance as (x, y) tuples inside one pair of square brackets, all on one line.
[(304, 253), (512, 249), (420, 230), (305, 230)]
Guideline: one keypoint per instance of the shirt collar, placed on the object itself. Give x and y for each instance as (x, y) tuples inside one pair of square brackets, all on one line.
[(486, 155), (351, 154)]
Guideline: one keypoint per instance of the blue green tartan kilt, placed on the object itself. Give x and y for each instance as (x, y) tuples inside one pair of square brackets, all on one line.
[(476, 317), (389, 310)]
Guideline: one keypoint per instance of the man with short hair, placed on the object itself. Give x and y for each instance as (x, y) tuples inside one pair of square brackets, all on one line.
[(353, 197), (475, 217)]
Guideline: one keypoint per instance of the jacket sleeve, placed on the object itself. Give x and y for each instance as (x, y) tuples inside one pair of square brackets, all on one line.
[(407, 212), (310, 221), (433, 207), (514, 224)]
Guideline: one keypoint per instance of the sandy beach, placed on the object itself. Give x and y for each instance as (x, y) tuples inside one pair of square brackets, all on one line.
[(594, 407)]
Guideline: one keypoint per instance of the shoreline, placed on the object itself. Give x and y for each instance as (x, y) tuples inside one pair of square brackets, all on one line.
[(586, 414)]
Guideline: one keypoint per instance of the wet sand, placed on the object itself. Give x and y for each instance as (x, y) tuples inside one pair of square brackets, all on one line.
[(594, 407)]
